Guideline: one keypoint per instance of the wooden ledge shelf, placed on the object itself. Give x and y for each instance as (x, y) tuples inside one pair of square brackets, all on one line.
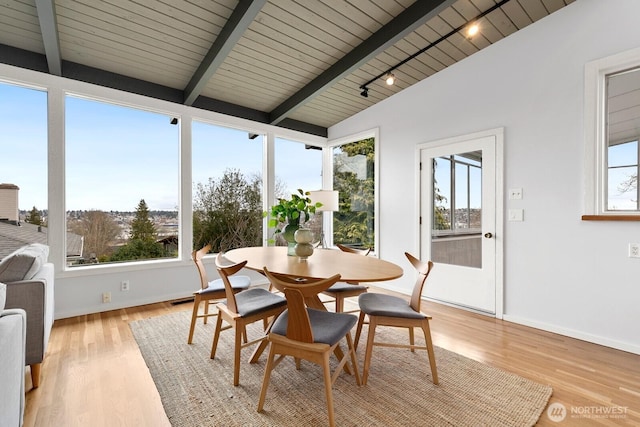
[(611, 217)]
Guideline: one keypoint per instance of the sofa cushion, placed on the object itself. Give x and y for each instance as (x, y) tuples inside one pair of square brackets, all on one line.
[(3, 296), (23, 263)]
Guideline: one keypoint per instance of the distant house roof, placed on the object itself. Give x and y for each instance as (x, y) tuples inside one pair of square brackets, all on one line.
[(13, 236)]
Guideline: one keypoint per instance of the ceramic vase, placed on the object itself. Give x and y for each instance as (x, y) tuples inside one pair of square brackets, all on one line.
[(289, 235), (303, 248)]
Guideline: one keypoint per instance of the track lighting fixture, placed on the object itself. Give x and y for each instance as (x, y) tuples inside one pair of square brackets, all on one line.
[(472, 30), (468, 30), (390, 79)]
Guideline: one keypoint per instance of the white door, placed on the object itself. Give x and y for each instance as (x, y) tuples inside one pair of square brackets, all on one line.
[(461, 220)]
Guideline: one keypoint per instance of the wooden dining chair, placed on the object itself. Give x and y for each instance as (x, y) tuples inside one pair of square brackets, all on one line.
[(389, 310), (343, 290), (308, 334), (210, 292), (242, 309)]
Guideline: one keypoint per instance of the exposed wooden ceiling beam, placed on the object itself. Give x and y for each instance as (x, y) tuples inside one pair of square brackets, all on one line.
[(238, 22), (407, 21), (49, 28)]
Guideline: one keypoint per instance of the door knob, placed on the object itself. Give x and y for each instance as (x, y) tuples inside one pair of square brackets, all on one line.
[(488, 235)]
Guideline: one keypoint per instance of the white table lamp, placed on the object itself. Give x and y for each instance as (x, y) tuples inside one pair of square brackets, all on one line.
[(329, 200)]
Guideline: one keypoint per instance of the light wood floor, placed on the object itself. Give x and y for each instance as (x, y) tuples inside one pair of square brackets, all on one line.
[(94, 375)]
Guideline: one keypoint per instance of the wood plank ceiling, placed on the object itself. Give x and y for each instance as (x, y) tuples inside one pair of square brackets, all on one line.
[(294, 63)]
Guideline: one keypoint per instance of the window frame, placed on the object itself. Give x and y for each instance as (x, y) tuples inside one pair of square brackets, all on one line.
[(595, 160), (454, 161), (114, 103), (327, 180), (262, 135), (28, 161), (57, 88)]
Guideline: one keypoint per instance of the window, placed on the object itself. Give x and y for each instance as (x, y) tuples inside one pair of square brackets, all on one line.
[(298, 166), (23, 166), (623, 126), (227, 187), (612, 115), (457, 194), (622, 176), (457, 209), (354, 168), (122, 180)]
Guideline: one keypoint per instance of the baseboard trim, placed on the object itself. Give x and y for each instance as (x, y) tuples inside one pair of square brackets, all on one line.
[(572, 333)]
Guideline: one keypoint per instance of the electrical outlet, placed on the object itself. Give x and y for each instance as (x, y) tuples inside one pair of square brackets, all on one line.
[(634, 250), (515, 194), (124, 285), (106, 297)]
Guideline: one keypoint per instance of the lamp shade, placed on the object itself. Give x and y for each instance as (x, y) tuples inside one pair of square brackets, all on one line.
[(328, 198)]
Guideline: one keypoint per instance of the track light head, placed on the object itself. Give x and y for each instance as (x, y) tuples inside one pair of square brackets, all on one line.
[(390, 79), (365, 92), (472, 30)]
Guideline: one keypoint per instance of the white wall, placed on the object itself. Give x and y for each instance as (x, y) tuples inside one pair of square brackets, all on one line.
[(561, 274), (80, 292)]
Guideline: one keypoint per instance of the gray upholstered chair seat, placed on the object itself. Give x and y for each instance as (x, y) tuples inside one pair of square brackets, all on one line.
[(346, 287), (237, 282), (387, 305), (327, 327), (256, 300)]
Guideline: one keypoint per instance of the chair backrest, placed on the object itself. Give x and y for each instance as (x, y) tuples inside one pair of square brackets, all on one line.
[(225, 271), (349, 249), (298, 324), (197, 258), (295, 291), (423, 268)]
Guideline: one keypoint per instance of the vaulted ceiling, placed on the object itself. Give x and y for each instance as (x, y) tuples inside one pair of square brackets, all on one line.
[(300, 64)]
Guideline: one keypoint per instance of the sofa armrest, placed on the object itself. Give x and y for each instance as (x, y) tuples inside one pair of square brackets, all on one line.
[(13, 327), (35, 296)]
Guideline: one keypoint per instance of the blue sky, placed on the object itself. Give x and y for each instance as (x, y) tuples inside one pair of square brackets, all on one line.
[(22, 113), (622, 158), (116, 156)]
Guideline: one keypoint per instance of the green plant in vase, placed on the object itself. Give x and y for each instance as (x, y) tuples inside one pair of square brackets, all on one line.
[(285, 216)]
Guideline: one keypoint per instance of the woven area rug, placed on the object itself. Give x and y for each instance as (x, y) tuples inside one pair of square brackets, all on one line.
[(198, 391)]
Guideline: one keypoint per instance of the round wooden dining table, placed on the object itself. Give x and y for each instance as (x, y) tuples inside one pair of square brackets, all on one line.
[(321, 264)]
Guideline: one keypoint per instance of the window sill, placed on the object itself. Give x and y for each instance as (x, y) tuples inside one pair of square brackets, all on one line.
[(611, 217)]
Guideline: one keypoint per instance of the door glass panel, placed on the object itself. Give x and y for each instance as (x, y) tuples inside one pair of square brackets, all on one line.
[(457, 210)]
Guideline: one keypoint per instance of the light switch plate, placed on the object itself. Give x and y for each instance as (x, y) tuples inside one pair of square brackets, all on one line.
[(516, 214)]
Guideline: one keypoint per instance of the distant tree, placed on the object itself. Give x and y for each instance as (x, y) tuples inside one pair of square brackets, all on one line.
[(440, 221), (138, 249), (630, 184), (98, 230), (228, 212), (34, 217), (142, 227), (142, 243)]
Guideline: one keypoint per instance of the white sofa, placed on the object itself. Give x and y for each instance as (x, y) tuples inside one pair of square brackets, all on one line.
[(30, 287), (13, 335)]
